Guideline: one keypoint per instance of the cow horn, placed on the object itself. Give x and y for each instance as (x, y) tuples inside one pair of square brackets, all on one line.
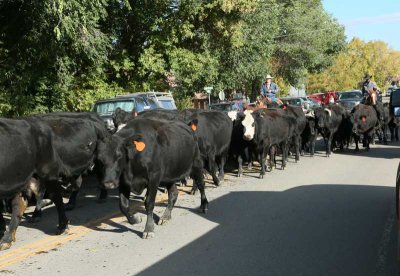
[(329, 112), (310, 114)]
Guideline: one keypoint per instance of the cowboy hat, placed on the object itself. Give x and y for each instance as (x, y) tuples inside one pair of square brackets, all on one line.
[(367, 76), (268, 77)]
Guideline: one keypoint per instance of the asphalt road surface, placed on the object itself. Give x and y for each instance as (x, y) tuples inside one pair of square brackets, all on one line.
[(321, 216)]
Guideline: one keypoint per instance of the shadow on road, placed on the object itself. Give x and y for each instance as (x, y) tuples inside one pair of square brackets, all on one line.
[(308, 230)]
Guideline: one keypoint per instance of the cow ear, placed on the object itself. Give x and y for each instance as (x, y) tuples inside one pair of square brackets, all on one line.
[(193, 124)]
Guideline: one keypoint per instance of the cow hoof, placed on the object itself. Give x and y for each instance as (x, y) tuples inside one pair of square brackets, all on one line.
[(5, 245), (239, 175), (193, 192), (63, 231), (134, 219), (204, 210), (261, 176), (164, 221), (148, 235)]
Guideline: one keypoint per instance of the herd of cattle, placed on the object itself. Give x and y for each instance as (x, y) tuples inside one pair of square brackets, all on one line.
[(43, 154)]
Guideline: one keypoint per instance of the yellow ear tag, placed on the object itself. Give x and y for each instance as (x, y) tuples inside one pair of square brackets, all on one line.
[(194, 127), (139, 145)]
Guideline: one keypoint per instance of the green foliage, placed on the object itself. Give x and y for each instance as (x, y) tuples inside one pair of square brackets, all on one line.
[(350, 66), (64, 55)]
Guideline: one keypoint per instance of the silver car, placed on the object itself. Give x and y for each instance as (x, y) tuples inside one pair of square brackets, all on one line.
[(349, 99)]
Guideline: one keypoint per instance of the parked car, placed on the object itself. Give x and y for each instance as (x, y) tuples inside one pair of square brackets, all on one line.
[(299, 101), (315, 103), (323, 98), (237, 105), (349, 99), (137, 102)]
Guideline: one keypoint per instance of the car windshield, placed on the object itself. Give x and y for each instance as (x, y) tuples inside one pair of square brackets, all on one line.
[(110, 107), (350, 95)]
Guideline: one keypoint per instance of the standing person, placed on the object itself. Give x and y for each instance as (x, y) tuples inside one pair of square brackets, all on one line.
[(269, 89)]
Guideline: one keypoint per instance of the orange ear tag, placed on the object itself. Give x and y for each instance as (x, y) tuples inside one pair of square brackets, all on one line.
[(139, 145), (194, 127)]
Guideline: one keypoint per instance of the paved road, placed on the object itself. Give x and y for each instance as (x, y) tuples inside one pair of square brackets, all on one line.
[(322, 216)]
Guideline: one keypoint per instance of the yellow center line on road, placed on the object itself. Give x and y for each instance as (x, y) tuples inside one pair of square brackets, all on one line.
[(48, 243)]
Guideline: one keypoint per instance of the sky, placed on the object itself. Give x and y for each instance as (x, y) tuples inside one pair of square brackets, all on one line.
[(368, 19)]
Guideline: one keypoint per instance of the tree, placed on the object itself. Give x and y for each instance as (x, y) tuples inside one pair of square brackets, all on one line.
[(48, 48), (308, 41), (350, 66)]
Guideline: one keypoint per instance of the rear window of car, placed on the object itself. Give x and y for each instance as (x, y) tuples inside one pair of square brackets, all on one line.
[(110, 107), (167, 104)]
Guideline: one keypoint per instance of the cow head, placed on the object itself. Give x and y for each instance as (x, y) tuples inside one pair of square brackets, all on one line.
[(322, 117), (248, 125), (121, 117), (311, 124), (233, 115), (111, 159)]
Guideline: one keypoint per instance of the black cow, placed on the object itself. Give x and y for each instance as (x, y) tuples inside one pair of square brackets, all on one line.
[(148, 153), (364, 121), (240, 150), (26, 150), (342, 137), (310, 133), (214, 130), (75, 139), (266, 128), (328, 121), (297, 113)]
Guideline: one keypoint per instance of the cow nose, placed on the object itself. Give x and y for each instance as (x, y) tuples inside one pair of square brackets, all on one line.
[(247, 137), (110, 185)]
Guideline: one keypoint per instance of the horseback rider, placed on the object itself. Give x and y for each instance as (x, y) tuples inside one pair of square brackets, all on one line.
[(269, 89), (370, 93)]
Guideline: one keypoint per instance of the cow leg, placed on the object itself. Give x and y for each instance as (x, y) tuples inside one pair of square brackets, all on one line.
[(385, 126), (19, 205), (297, 148), (172, 197), (328, 146), (149, 205), (2, 225), (262, 156), (39, 191), (212, 168), (240, 165), (396, 131), (40, 203), (102, 196), (127, 208), (272, 160), (199, 181), (356, 139), (221, 174), (284, 147), (54, 189)]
